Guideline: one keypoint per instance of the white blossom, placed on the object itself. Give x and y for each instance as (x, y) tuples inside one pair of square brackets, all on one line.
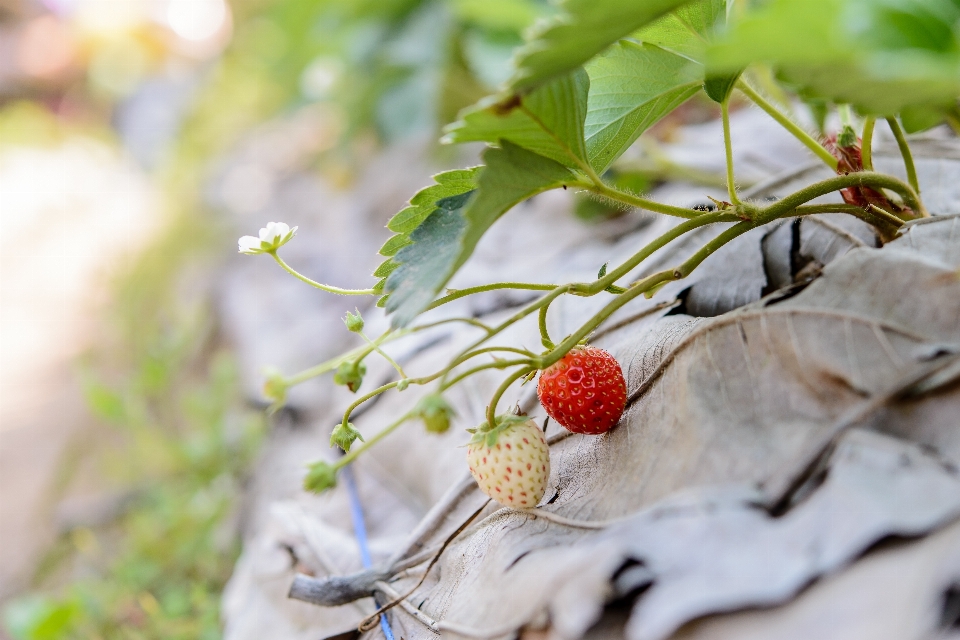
[(272, 237)]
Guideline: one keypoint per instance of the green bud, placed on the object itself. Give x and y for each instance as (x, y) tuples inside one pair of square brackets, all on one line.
[(344, 435), (403, 384), (321, 475), (275, 387), (350, 374), (435, 413), (353, 321), (847, 137)]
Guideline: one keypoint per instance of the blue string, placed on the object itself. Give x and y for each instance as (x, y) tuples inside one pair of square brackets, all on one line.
[(360, 530)]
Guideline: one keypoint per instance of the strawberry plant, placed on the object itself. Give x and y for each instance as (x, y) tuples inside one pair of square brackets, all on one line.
[(586, 85)]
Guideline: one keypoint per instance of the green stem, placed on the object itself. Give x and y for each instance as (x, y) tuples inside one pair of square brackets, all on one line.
[(460, 293), (313, 283), (885, 216), (476, 352), (866, 143), (878, 218), (359, 401), (383, 353), (471, 321), (846, 115), (520, 315), (788, 124), (722, 238), (641, 287), (498, 364), (858, 179), (513, 377), (656, 244), (363, 351), (905, 152), (544, 334), (380, 435), (728, 149), (602, 189)]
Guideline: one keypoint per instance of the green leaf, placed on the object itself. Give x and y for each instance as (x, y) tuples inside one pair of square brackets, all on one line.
[(632, 86), (916, 119), (718, 88), (548, 121), (583, 29), (687, 29), (881, 56), (447, 185), (448, 236)]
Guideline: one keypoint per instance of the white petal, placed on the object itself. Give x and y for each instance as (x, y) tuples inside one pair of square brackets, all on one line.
[(248, 244)]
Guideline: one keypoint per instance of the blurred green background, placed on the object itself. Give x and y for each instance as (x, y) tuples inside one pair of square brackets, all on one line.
[(124, 439)]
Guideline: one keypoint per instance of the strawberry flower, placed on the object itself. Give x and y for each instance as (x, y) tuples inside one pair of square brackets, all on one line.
[(272, 237)]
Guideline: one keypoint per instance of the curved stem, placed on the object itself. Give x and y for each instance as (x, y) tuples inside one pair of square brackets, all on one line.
[(513, 377), (314, 283), (723, 238), (603, 189), (467, 355), (499, 364), (471, 321), (520, 315), (858, 179), (363, 351), (359, 401), (658, 243), (380, 435), (905, 152), (641, 287), (788, 124), (728, 150), (544, 334), (866, 143), (460, 293)]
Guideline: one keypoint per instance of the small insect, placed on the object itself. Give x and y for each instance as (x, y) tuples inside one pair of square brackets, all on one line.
[(704, 207)]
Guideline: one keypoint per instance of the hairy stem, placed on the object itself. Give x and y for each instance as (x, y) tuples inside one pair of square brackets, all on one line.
[(905, 152), (602, 189), (788, 124), (313, 283)]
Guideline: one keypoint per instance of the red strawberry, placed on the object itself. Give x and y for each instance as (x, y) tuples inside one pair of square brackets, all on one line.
[(584, 391), (511, 463)]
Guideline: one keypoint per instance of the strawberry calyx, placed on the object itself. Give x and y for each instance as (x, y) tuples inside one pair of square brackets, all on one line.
[(849, 157), (488, 435)]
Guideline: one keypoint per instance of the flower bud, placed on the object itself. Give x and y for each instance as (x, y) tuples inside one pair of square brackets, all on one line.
[(344, 435), (350, 374), (321, 475), (435, 413), (847, 137), (354, 322), (275, 387)]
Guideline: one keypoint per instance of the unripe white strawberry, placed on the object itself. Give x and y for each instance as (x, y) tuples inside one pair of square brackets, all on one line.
[(511, 463)]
